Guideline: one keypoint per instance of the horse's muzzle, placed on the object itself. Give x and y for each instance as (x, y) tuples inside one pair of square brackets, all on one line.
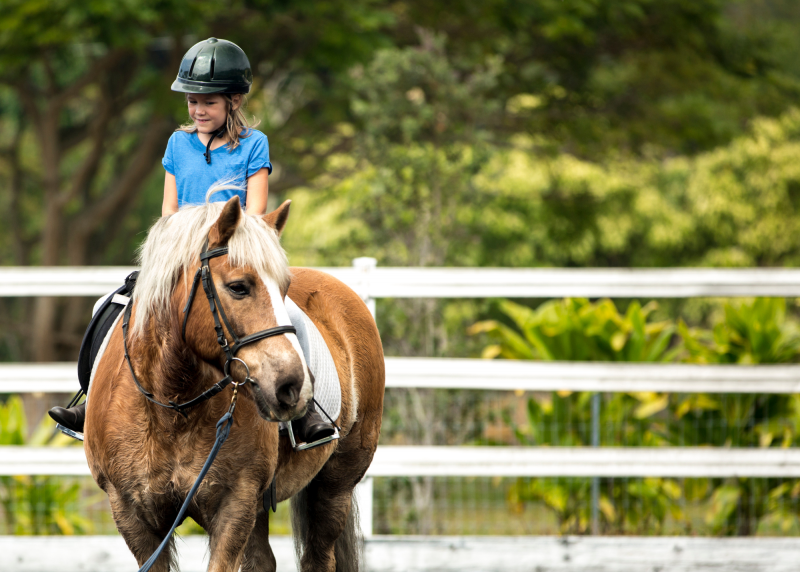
[(282, 394)]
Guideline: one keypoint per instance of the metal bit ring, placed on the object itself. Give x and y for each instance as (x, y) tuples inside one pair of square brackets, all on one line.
[(226, 369)]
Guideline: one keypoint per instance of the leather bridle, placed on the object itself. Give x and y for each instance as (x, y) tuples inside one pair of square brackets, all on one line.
[(203, 275)]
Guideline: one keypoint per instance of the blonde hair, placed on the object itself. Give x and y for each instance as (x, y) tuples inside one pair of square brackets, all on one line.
[(237, 125), (174, 244)]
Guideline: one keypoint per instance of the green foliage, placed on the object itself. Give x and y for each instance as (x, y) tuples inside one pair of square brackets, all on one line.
[(405, 189), (417, 94), (753, 332), (579, 330), (734, 206), (632, 75), (37, 505), (486, 205), (748, 332)]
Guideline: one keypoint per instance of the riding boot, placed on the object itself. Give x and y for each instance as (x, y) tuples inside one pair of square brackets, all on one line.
[(312, 427), (72, 418)]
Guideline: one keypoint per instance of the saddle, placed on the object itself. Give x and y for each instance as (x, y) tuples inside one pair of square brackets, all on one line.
[(102, 321)]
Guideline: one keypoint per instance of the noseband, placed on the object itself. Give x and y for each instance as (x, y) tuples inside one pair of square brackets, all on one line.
[(203, 275)]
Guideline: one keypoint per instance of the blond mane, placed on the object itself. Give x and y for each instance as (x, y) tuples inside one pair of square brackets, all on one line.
[(174, 244)]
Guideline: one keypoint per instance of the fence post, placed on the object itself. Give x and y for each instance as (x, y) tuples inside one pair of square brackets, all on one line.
[(364, 490), (595, 480), (365, 265)]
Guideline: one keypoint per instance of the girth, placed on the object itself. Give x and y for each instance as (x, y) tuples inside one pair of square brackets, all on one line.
[(203, 275)]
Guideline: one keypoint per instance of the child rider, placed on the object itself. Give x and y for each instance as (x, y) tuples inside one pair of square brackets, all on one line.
[(219, 144)]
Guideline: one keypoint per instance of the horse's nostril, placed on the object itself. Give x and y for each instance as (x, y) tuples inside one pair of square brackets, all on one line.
[(288, 394)]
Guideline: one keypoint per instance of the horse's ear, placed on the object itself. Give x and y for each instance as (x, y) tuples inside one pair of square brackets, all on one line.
[(277, 218), (226, 224)]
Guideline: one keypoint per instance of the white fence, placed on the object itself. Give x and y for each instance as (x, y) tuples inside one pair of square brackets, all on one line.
[(371, 282), (439, 461), (376, 282), (500, 375)]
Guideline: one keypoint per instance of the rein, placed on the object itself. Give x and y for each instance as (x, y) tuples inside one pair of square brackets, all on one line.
[(223, 430), (203, 275)]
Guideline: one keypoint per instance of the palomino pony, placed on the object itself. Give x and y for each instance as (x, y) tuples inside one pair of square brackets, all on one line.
[(146, 457)]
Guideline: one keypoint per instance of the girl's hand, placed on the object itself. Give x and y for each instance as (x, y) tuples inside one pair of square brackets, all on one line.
[(257, 192), (170, 203)]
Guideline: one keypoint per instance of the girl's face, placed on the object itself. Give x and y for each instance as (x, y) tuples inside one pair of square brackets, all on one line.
[(208, 111)]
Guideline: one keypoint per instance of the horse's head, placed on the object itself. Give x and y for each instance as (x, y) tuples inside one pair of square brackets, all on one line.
[(251, 281), (252, 298)]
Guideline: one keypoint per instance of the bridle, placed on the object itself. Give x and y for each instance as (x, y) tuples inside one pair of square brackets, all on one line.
[(203, 275)]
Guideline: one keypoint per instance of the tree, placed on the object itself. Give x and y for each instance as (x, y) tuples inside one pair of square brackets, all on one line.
[(86, 112)]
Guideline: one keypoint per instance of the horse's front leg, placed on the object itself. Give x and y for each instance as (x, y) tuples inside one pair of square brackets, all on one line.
[(258, 555), (230, 527), (141, 527), (326, 514)]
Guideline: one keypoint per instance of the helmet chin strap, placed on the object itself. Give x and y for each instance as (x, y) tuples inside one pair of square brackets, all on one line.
[(218, 133)]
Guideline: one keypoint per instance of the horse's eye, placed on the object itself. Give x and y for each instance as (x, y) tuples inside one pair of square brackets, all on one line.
[(238, 289)]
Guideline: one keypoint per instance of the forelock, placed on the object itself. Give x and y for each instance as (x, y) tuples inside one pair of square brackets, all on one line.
[(174, 243)]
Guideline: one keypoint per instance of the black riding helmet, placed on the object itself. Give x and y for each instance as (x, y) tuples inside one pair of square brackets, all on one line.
[(214, 66)]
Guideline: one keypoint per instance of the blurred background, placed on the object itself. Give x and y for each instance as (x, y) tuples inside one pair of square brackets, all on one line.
[(546, 133)]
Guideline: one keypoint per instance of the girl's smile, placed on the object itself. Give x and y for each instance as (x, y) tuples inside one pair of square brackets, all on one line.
[(208, 111)]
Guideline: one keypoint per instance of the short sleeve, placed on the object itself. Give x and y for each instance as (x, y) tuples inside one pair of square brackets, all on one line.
[(167, 161), (259, 155)]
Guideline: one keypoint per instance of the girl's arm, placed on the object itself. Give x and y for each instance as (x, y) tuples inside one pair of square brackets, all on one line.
[(257, 192), (170, 203)]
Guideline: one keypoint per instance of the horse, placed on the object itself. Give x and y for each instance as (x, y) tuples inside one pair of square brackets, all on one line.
[(146, 457)]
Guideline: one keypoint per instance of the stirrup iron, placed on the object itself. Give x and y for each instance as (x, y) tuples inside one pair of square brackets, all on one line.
[(305, 446), (69, 432)]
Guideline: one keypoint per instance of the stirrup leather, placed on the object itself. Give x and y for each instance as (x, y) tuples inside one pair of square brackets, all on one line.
[(69, 432), (305, 446)]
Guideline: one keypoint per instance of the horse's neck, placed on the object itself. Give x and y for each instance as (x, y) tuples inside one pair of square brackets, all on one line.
[(166, 367)]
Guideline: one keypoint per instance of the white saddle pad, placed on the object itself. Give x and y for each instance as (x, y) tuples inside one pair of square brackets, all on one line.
[(327, 390)]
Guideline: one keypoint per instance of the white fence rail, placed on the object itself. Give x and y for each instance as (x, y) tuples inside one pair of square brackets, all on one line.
[(501, 375), (419, 461), (380, 282)]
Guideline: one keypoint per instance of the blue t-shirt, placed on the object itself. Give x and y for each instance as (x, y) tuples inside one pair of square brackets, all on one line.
[(185, 159)]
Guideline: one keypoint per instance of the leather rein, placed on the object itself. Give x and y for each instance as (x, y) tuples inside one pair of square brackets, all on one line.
[(203, 275)]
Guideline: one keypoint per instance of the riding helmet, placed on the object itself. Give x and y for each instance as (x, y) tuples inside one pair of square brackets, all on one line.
[(214, 66)]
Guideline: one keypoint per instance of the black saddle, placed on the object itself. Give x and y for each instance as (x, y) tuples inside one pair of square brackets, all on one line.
[(98, 329)]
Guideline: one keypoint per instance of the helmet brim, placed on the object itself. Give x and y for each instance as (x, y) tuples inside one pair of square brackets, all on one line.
[(183, 86)]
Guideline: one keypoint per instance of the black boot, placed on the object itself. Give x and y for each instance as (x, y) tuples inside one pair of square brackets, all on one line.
[(72, 418), (312, 427)]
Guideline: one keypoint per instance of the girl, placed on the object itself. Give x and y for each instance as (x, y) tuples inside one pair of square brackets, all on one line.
[(219, 144)]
